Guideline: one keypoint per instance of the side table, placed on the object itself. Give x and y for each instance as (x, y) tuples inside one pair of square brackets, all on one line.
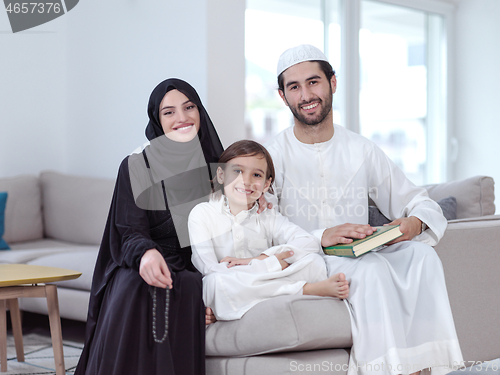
[(22, 280)]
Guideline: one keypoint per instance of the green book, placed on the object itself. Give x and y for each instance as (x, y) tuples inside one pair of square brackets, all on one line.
[(361, 246)]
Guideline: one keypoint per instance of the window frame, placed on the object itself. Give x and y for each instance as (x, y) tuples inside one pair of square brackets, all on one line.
[(350, 82), (441, 141)]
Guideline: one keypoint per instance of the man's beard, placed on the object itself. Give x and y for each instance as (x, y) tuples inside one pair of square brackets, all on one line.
[(312, 121)]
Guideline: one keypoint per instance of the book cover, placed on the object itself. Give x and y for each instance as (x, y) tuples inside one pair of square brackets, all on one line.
[(361, 246)]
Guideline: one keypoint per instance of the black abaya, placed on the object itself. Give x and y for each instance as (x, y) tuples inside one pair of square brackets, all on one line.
[(119, 336), (119, 332)]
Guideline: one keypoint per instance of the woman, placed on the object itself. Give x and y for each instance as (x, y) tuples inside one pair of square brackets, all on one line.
[(146, 314)]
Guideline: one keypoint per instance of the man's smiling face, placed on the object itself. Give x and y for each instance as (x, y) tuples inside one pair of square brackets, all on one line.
[(308, 92)]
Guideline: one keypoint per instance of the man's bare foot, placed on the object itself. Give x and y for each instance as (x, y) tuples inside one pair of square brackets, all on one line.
[(334, 286)]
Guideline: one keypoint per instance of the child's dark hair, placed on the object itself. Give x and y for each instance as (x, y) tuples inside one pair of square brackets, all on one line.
[(244, 148)]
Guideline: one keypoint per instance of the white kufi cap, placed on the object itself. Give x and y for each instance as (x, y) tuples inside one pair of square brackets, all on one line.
[(295, 55)]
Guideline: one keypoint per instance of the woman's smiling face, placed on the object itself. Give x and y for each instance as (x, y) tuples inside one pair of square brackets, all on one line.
[(179, 117)]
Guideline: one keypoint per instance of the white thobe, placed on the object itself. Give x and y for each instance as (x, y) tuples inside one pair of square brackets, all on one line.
[(216, 233), (400, 313)]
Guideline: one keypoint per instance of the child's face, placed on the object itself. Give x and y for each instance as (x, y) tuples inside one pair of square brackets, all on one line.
[(244, 180)]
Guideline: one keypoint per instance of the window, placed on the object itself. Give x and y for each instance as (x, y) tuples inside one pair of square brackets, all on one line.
[(272, 26), (391, 66)]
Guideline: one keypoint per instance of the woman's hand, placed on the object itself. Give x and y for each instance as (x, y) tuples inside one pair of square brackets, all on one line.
[(154, 270), (209, 316)]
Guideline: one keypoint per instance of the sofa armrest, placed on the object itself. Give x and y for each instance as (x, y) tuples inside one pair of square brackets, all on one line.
[(476, 220), (470, 252)]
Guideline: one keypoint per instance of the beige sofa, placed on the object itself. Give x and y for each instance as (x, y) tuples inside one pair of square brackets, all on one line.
[(57, 220), (312, 335)]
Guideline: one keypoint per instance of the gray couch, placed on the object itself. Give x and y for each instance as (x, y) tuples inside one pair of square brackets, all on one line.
[(58, 220)]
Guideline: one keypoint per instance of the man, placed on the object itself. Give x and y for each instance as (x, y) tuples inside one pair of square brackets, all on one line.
[(325, 174)]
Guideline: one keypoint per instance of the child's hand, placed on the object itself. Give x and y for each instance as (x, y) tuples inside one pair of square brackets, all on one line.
[(284, 255), (231, 261)]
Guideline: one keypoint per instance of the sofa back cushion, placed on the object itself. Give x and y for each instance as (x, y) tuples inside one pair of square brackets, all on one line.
[(475, 195), (75, 208), (23, 212)]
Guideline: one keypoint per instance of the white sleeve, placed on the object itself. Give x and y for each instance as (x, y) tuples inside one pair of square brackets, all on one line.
[(203, 253), (396, 197), (318, 234), (289, 236)]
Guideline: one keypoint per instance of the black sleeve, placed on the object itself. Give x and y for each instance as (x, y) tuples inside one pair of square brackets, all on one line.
[(129, 225)]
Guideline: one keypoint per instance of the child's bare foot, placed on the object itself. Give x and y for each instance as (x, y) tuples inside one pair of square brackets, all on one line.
[(334, 286)]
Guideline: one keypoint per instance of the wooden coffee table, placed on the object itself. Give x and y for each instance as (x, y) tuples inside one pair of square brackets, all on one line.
[(22, 280)]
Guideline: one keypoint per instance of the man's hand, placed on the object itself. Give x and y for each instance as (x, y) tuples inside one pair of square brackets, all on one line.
[(154, 270), (232, 261), (209, 316), (409, 226), (345, 233), (263, 204)]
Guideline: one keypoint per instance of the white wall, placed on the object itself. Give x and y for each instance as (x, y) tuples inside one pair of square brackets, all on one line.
[(226, 68), (117, 53), (32, 98), (477, 84), (74, 92)]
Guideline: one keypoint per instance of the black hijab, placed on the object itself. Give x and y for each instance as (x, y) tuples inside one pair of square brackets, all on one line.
[(209, 140), (170, 174)]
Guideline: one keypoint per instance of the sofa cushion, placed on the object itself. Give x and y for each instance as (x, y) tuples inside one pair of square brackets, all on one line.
[(3, 203), (448, 206), (81, 260), (75, 208), (25, 256), (283, 324), (475, 196), (23, 213), (45, 243), (29, 251)]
